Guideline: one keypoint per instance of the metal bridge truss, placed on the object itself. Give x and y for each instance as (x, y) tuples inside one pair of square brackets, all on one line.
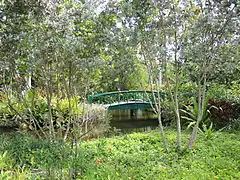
[(135, 99)]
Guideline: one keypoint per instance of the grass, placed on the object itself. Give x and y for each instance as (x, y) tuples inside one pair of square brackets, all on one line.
[(132, 156)]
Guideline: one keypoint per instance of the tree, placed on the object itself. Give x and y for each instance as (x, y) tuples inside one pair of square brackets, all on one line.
[(211, 21)]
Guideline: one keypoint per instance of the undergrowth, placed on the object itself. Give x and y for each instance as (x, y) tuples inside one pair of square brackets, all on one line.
[(132, 156)]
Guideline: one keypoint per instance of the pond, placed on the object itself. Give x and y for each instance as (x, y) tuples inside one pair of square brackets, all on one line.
[(121, 120), (7, 129), (133, 119)]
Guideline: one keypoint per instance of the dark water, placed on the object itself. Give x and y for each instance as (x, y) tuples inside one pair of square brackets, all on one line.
[(123, 120), (7, 129), (134, 123), (133, 119)]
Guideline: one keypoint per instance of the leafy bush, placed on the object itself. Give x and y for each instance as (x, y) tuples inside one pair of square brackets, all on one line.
[(225, 114), (187, 89), (32, 113), (189, 113), (27, 151), (32, 158), (225, 93), (4, 161), (234, 125)]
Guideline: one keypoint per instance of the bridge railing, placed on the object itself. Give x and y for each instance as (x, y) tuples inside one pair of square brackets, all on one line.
[(124, 96)]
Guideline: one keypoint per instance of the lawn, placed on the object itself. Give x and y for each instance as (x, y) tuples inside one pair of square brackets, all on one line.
[(131, 156)]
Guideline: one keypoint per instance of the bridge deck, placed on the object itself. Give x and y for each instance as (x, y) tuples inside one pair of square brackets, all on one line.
[(128, 105)]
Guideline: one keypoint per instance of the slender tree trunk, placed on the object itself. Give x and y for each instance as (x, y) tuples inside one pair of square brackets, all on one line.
[(201, 103), (28, 81), (49, 100), (157, 102), (177, 81), (165, 143), (159, 111), (69, 93), (174, 100)]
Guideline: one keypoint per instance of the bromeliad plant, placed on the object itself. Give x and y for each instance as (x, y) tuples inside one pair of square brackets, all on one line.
[(190, 113)]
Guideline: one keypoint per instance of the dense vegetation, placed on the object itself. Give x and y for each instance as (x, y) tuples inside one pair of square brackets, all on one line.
[(133, 156), (56, 53)]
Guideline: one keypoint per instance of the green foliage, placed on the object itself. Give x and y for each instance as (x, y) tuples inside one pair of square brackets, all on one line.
[(134, 156), (186, 91), (24, 152), (74, 48), (224, 92), (234, 125), (4, 160), (190, 113), (235, 90), (28, 151), (37, 105), (226, 114), (138, 79), (31, 113), (168, 115), (207, 132)]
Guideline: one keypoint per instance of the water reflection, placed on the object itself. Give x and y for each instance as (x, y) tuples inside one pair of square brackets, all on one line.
[(133, 119), (7, 129)]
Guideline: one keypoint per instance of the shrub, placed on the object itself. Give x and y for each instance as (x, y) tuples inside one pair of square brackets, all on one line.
[(234, 125), (225, 114), (32, 113), (27, 151)]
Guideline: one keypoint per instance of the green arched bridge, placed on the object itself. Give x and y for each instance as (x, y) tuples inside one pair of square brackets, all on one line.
[(135, 99)]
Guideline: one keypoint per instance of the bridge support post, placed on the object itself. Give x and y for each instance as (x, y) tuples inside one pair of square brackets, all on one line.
[(132, 114), (139, 113)]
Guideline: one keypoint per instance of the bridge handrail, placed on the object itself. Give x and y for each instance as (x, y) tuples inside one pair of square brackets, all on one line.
[(92, 97), (121, 92)]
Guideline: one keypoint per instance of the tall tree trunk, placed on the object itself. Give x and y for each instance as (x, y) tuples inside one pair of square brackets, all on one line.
[(201, 103), (49, 99), (165, 143), (157, 104), (69, 95), (177, 81)]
